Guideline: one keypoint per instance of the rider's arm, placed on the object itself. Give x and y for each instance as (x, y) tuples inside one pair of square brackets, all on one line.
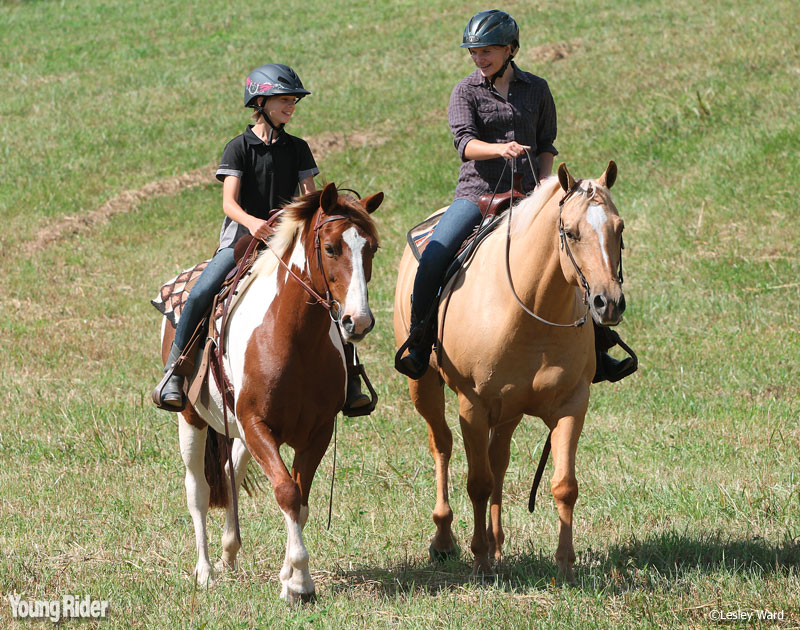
[(231, 186)]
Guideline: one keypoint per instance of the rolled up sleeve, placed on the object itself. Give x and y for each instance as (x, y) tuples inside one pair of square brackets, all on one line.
[(461, 117), (547, 125)]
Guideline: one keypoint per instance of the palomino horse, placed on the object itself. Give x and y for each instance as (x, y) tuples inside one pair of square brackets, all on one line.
[(285, 360), (504, 362)]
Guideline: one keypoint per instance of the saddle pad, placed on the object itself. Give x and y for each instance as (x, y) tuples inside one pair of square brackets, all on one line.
[(173, 294), (420, 235)]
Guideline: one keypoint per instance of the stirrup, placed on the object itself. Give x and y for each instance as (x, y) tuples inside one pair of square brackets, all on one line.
[(407, 365), (623, 368), (158, 392), (355, 371)]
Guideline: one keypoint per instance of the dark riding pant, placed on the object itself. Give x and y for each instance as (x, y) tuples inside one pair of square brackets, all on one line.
[(456, 224), (202, 294)]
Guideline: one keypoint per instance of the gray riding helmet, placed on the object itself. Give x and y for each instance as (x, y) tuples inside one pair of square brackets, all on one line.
[(272, 79), (491, 28)]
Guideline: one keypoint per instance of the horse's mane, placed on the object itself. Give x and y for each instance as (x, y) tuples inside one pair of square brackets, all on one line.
[(527, 209), (293, 220)]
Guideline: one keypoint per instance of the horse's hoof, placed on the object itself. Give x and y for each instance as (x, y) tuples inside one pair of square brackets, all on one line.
[(204, 577), (442, 555), (482, 569), (293, 598), (223, 566)]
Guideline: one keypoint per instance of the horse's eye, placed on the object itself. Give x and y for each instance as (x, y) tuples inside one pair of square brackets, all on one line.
[(570, 235), (329, 251)]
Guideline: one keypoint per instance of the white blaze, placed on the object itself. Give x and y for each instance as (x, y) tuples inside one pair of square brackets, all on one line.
[(356, 301), (596, 217)]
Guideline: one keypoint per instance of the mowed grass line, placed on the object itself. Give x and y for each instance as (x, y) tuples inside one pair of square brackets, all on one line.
[(687, 471)]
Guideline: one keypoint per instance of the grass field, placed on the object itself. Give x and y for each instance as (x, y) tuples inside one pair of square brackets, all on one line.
[(112, 117)]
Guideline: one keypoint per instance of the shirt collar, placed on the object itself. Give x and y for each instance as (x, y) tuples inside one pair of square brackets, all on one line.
[(252, 139), (476, 78)]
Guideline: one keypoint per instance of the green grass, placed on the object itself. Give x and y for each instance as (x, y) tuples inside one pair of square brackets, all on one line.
[(689, 487)]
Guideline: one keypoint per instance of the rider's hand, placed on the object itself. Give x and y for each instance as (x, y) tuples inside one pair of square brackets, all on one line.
[(260, 229), (510, 150)]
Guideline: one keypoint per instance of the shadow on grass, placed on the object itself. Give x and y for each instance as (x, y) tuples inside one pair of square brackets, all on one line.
[(654, 563)]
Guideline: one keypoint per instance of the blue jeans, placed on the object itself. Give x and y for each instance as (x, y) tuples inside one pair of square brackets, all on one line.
[(457, 223), (202, 294)]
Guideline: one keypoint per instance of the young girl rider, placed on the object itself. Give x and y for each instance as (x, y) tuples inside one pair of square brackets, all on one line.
[(497, 113), (260, 170)]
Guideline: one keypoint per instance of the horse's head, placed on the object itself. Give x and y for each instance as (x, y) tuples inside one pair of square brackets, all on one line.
[(591, 242), (347, 241)]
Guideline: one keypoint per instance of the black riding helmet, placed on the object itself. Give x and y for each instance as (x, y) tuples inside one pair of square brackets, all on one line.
[(492, 28), (272, 79)]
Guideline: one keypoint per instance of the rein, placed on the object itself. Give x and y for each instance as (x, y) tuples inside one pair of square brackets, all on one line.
[(331, 305), (564, 245)]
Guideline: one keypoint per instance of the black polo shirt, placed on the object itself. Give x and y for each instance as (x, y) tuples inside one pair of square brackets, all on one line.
[(261, 167)]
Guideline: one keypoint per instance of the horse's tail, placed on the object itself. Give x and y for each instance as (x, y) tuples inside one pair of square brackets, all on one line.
[(216, 457), (218, 479)]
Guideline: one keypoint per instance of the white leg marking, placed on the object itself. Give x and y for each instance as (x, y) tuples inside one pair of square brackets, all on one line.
[(295, 576), (193, 450), (230, 545), (596, 217)]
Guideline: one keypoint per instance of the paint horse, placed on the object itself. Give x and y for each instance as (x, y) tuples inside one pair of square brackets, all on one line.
[(285, 360), (506, 358)]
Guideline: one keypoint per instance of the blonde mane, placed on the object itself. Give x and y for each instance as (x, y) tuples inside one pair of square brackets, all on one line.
[(294, 218), (528, 209), (288, 229)]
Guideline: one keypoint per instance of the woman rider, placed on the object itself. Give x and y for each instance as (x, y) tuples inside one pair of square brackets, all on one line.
[(497, 113)]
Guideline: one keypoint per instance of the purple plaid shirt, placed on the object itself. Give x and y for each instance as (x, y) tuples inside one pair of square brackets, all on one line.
[(477, 112)]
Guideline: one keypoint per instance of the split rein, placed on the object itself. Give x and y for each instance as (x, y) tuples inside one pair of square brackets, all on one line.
[(332, 306), (563, 244)]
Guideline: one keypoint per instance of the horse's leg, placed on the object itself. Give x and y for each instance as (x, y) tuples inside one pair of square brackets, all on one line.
[(198, 493), (264, 447), (304, 467), (427, 394), (480, 480), (499, 453), (564, 485), (230, 544)]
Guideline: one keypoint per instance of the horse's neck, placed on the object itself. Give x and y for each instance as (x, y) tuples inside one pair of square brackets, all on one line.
[(535, 264)]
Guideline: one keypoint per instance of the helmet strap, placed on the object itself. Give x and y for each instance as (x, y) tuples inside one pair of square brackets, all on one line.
[(502, 69), (273, 127)]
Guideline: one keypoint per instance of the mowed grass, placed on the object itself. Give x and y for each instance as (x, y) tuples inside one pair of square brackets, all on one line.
[(689, 487)]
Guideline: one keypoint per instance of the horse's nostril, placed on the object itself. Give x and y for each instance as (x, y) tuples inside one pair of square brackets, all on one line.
[(621, 305), (347, 323), (599, 302)]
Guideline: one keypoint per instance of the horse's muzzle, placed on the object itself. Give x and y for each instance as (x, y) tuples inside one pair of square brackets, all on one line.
[(607, 311), (355, 329)]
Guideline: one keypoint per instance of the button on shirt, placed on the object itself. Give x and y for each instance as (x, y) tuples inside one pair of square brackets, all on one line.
[(478, 112), (270, 175)]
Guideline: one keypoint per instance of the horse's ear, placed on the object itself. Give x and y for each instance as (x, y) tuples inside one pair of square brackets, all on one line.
[(566, 180), (608, 178), (371, 203), (329, 198)]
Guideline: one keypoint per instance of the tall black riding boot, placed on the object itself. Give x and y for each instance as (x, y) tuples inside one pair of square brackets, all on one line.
[(168, 394), (419, 345), (608, 368), (355, 398)]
